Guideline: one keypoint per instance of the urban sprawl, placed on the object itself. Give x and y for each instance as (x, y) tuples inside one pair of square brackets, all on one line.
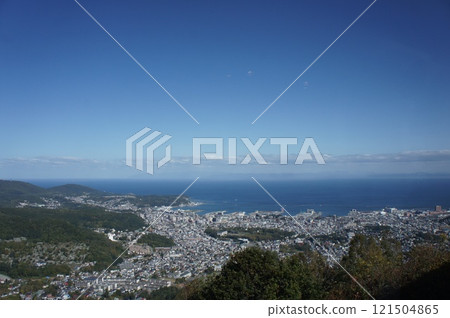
[(196, 253)]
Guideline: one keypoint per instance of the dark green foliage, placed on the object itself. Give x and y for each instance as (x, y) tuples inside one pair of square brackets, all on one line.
[(74, 190), (377, 228), (250, 274), (423, 259), (103, 252), (156, 240), (23, 270), (429, 237), (431, 285), (253, 274), (382, 268), (12, 297), (51, 289), (121, 295), (259, 274), (305, 276), (378, 265), (33, 285), (160, 200), (88, 217), (54, 226), (211, 232), (294, 248), (337, 238), (164, 293), (252, 234), (13, 192)]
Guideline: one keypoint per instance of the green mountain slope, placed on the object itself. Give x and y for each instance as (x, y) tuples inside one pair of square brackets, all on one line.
[(13, 192), (54, 227), (74, 190)]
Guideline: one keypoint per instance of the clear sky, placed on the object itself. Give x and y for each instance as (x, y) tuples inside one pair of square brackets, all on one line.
[(377, 102)]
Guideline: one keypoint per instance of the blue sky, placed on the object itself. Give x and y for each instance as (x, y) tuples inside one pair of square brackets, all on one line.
[(69, 96)]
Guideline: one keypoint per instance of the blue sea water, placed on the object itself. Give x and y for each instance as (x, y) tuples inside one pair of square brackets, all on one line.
[(328, 196)]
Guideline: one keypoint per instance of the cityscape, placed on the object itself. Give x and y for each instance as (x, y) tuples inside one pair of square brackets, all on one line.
[(224, 158), (195, 252)]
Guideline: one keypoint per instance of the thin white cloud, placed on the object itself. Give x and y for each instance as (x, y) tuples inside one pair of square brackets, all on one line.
[(407, 156), (408, 162), (55, 161)]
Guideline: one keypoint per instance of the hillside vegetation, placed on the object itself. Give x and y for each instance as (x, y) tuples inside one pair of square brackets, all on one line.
[(251, 234), (156, 240), (378, 265), (57, 226), (14, 192)]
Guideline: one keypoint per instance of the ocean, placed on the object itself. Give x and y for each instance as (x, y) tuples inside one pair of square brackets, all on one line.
[(331, 197)]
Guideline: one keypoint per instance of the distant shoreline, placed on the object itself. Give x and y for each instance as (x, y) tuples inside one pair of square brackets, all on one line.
[(331, 197)]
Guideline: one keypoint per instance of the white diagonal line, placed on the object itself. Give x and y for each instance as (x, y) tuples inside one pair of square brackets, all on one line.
[(317, 58), (313, 238), (137, 62), (139, 236)]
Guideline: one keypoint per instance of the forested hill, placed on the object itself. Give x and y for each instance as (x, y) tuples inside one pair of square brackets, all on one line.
[(75, 190), (24, 230), (14, 192), (17, 222)]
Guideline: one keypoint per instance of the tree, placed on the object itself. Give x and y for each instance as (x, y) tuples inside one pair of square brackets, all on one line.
[(379, 266), (250, 274), (375, 265), (303, 276), (255, 273)]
